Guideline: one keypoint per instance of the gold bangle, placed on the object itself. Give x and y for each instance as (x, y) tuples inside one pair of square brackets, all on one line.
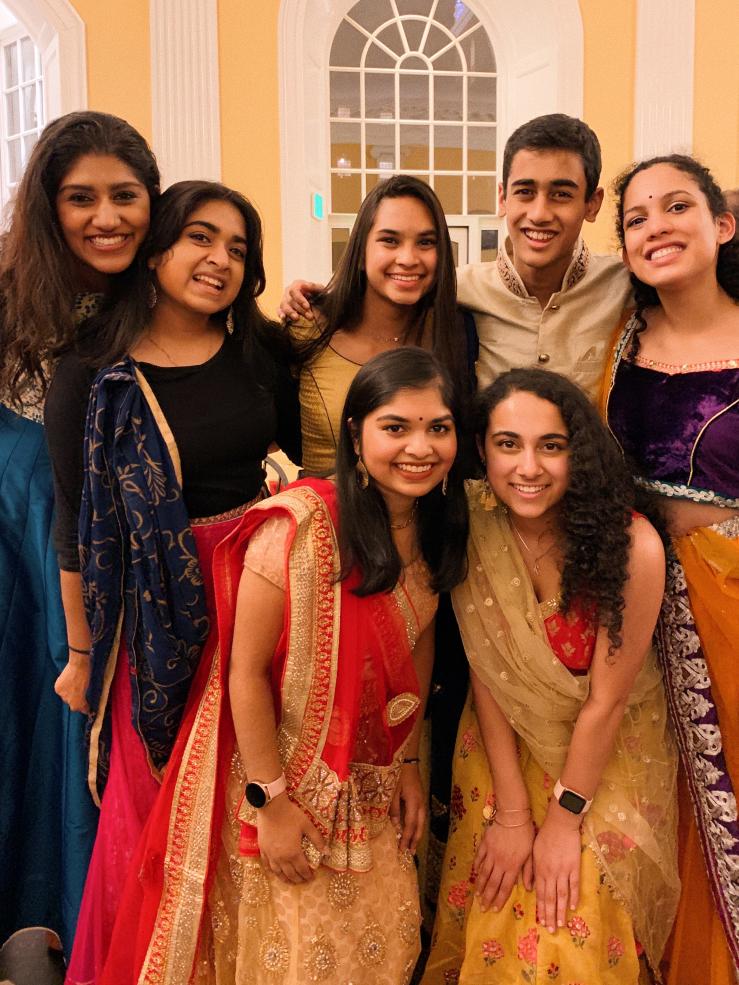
[(518, 824)]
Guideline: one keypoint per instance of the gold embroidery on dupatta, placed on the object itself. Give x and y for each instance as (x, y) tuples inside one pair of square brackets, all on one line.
[(110, 665), (401, 706)]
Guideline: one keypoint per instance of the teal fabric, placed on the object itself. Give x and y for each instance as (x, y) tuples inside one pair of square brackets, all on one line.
[(47, 817)]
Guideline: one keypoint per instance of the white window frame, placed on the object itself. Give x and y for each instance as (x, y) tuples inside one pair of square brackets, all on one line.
[(13, 36), (539, 61)]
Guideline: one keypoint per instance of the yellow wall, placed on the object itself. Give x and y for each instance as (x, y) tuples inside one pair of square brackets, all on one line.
[(716, 99), (118, 59), (250, 129), (609, 31)]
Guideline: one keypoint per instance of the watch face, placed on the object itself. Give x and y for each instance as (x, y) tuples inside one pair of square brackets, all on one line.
[(571, 802), (255, 795)]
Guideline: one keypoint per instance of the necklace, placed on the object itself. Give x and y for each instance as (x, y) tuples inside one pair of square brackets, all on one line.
[(397, 339), (408, 522), (168, 355), (535, 560)]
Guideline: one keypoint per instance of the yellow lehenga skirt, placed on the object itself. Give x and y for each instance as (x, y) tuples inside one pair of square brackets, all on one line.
[(469, 947), (342, 928)]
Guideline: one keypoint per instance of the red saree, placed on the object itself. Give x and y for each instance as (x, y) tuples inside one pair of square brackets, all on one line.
[(350, 642)]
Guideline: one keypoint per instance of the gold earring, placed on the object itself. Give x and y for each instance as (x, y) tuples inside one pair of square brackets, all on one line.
[(151, 295), (488, 499), (444, 484), (362, 474), (230, 321)]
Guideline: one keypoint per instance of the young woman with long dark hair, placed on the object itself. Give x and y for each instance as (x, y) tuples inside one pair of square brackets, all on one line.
[(307, 874), (79, 214), (561, 859), (672, 400), (188, 401)]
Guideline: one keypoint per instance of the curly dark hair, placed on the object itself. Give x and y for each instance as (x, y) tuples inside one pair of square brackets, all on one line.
[(364, 533), (36, 282), (596, 512), (727, 264)]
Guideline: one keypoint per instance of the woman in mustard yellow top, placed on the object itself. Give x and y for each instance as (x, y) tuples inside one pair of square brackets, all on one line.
[(395, 285)]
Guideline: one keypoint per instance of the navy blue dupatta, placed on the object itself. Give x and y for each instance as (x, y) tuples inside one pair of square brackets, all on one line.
[(140, 571)]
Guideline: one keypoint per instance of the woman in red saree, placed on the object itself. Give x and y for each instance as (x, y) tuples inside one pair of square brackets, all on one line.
[(316, 703)]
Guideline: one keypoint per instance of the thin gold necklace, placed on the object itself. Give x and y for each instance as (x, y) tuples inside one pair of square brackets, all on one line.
[(535, 560), (164, 352), (408, 522)]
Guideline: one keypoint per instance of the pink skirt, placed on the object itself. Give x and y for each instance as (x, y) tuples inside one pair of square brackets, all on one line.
[(129, 796)]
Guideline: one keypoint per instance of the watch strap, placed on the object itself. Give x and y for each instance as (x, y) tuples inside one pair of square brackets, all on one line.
[(560, 795)]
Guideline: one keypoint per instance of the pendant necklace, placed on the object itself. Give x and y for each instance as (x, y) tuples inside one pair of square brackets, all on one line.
[(408, 522), (535, 560)]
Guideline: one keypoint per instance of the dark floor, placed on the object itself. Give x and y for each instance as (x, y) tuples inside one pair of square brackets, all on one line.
[(32, 957)]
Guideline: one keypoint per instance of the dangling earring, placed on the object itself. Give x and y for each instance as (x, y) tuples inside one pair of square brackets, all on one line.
[(151, 295), (488, 499), (444, 484), (230, 321), (362, 474)]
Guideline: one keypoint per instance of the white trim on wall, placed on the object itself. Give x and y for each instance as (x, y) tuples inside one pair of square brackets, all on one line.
[(186, 114), (58, 32), (663, 104), (540, 70)]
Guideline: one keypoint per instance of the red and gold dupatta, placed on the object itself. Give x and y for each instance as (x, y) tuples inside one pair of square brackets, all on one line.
[(334, 648)]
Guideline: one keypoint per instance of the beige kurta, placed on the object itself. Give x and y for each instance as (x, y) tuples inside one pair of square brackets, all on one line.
[(571, 335)]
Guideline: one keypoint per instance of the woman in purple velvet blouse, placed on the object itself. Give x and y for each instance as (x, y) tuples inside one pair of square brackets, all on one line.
[(672, 401)]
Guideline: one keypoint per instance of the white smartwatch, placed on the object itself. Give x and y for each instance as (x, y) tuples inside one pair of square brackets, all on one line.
[(260, 794), (573, 802)]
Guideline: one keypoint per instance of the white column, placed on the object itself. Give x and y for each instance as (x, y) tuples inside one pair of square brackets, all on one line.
[(186, 116), (663, 105)]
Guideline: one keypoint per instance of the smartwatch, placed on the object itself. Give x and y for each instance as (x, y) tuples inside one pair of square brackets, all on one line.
[(573, 802), (260, 794)]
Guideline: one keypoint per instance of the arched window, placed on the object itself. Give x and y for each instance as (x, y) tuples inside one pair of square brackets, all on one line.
[(413, 90)]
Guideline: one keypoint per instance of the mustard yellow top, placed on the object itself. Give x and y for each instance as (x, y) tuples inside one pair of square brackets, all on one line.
[(324, 383)]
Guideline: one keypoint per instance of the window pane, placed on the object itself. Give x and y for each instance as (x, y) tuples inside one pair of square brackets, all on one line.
[(390, 37), (13, 112), (450, 61), (481, 96), (378, 58), (379, 96), (481, 195), (435, 41), (414, 32), (346, 192), (380, 146), (348, 45), (345, 94), (30, 120), (448, 148), (447, 98), (481, 148), (414, 148), (339, 239), (28, 144), (488, 244), (449, 190), (415, 62), (11, 65), (413, 7), (479, 52), (345, 144), (414, 97), (371, 13), (28, 59), (454, 15), (15, 165)]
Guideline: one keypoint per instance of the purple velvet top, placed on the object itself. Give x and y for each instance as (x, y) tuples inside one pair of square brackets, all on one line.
[(680, 431)]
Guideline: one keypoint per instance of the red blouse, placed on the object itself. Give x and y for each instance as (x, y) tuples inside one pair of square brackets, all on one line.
[(572, 637)]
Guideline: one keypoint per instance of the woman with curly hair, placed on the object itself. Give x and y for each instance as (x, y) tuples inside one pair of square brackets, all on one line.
[(80, 212), (561, 860), (672, 401)]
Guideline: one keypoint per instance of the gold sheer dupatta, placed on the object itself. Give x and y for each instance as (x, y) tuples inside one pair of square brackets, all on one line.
[(631, 827)]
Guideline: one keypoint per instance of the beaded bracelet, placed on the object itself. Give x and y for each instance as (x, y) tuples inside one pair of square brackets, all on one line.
[(412, 759)]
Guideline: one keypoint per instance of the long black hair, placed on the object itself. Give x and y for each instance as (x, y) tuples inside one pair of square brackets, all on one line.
[(727, 264), (596, 509), (340, 304), (36, 274), (107, 336), (365, 538)]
